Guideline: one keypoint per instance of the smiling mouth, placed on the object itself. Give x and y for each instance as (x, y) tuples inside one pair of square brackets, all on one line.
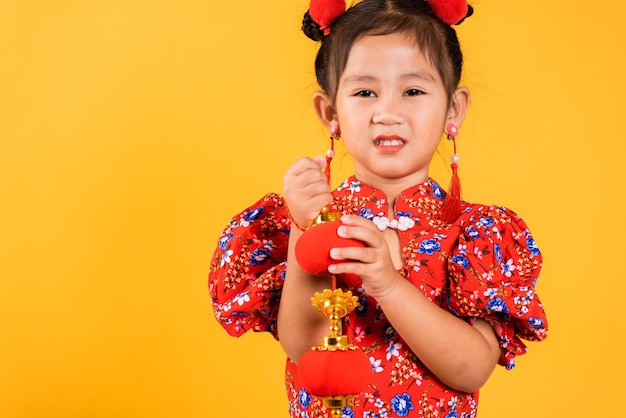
[(388, 142)]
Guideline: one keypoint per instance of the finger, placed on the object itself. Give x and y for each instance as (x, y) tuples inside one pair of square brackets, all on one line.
[(304, 164), (365, 232), (348, 267), (361, 254), (297, 183), (314, 188), (355, 220)]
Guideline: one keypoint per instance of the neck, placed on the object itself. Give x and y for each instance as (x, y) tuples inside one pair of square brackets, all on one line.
[(392, 187)]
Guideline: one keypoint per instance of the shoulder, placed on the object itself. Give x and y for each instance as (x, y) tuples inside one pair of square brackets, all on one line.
[(489, 221)]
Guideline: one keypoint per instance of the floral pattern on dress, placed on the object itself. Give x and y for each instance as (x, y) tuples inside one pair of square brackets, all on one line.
[(483, 265)]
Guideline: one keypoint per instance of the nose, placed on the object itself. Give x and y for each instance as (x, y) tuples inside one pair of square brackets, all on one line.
[(387, 111)]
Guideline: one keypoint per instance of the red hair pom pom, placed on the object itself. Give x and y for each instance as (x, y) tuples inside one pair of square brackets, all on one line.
[(450, 12), (324, 12)]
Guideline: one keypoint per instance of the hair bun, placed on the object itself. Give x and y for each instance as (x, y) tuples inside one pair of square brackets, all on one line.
[(311, 28)]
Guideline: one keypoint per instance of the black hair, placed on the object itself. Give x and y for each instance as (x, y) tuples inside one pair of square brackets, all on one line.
[(437, 39)]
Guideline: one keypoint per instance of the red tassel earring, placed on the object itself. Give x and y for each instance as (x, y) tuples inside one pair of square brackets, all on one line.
[(334, 136), (451, 208)]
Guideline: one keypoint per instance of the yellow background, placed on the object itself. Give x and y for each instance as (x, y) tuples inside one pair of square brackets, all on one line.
[(131, 130)]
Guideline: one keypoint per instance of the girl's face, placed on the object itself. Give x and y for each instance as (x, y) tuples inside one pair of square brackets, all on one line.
[(392, 107)]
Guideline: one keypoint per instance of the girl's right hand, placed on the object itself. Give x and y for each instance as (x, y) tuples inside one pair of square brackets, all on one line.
[(306, 190)]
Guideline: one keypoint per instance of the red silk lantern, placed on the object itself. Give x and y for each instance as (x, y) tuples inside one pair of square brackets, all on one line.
[(314, 245), (327, 373), (336, 371)]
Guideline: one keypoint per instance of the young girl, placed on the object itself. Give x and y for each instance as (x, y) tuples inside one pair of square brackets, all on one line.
[(445, 291)]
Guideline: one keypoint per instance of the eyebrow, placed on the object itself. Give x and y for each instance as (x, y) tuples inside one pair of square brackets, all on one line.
[(406, 76)]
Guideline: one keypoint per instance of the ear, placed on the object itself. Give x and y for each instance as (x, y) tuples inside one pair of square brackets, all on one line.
[(324, 110), (459, 105)]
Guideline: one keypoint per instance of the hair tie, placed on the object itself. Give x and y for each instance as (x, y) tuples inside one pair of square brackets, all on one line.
[(324, 12), (451, 12)]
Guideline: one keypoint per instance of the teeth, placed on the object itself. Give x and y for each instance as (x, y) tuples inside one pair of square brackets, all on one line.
[(389, 142)]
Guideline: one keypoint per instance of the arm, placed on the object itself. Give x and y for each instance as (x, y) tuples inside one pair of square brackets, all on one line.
[(461, 355), (300, 326)]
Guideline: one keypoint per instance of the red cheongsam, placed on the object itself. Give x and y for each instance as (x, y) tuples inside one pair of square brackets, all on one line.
[(484, 265)]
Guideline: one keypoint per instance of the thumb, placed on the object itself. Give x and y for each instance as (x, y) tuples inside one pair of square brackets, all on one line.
[(321, 161)]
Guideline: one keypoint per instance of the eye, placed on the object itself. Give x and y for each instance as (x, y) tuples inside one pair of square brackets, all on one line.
[(414, 92), (365, 93)]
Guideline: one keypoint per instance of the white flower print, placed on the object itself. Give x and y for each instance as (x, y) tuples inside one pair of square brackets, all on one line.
[(241, 298), (508, 268), (226, 257), (376, 367), (392, 350)]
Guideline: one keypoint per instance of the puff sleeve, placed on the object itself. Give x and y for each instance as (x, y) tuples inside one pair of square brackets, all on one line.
[(493, 272), (248, 267)]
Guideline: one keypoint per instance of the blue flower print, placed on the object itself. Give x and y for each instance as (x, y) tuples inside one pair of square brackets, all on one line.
[(224, 240), (473, 233), (428, 246), (437, 192), (497, 305), (498, 253), (362, 309), (461, 260), (347, 412), (259, 256), (254, 214), (510, 365), (532, 246), (535, 323), (304, 398), (401, 404), (486, 222), (492, 292), (452, 414), (452, 402), (366, 213), (304, 414), (388, 332), (406, 214), (343, 185)]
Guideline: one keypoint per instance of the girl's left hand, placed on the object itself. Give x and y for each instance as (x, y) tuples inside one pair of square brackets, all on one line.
[(373, 262)]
